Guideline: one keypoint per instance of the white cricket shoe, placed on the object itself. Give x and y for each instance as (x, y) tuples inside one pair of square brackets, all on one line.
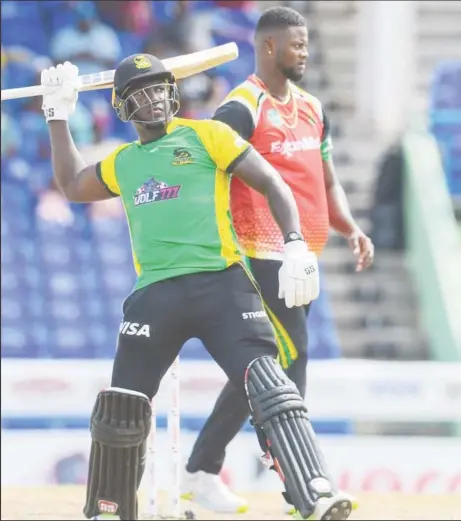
[(210, 492), (289, 509), (106, 516), (335, 508)]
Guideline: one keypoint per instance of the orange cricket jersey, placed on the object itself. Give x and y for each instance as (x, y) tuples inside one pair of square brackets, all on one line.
[(295, 147)]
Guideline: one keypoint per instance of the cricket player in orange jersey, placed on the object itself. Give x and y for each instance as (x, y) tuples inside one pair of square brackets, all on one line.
[(290, 129)]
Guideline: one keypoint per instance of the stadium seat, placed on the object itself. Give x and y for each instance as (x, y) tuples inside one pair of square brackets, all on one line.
[(16, 342), (71, 342)]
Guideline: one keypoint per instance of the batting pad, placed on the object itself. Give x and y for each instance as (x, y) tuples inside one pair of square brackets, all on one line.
[(280, 412), (120, 423)]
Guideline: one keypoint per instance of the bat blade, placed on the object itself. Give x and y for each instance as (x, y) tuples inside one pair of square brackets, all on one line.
[(181, 66)]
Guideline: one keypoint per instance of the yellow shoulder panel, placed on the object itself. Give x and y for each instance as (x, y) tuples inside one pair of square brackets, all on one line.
[(222, 143), (108, 173)]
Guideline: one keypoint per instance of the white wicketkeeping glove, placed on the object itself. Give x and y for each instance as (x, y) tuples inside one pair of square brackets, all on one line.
[(62, 84), (299, 275)]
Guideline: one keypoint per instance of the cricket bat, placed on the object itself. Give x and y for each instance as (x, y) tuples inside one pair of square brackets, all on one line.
[(181, 66)]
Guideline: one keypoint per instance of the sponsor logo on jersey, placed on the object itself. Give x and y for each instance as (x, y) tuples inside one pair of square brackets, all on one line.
[(181, 157), (153, 191), (134, 329), (287, 148)]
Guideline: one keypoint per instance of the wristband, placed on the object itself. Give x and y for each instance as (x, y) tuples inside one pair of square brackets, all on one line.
[(293, 236)]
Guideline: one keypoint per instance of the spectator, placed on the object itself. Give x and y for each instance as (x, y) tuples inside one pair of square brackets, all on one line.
[(132, 20), (91, 45), (200, 95), (134, 16)]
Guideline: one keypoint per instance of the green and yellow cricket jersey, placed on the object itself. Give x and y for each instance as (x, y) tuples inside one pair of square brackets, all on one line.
[(175, 192)]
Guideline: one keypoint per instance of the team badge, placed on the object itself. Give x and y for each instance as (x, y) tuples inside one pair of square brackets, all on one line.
[(141, 62), (274, 117), (181, 157)]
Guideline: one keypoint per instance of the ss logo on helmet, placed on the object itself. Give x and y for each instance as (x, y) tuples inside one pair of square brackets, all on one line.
[(141, 62)]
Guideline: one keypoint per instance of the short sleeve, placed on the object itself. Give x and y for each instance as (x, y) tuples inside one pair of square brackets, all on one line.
[(237, 116), (223, 144), (106, 173)]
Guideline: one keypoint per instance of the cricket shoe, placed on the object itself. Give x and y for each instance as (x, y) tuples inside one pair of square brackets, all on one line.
[(335, 508), (106, 516), (291, 510), (210, 492)]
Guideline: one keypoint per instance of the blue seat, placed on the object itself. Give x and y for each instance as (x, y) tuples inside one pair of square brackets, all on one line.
[(41, 337), (93, 306), (33, 277), (16, 342), (104, 340), (10, 279), (5, 228), (118, 283), (21, 251), (37, 305), (13, 310), (115, 254), (63, 284), (90, 280), (8, 253), (65, 311), (84, 251), (20, 225), (110, 229), (113, 309), (58, 257), (71, 342)]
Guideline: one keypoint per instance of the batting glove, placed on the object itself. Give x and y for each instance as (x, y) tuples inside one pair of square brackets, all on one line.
[(299, 274), (62, 91)]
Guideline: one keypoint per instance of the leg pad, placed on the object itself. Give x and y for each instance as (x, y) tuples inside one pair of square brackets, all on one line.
[(120, 424), (279, 411)]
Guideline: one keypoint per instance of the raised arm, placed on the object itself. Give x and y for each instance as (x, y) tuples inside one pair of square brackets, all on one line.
[(77, 181)]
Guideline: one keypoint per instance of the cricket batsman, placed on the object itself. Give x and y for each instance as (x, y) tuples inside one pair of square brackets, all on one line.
[(290, 129), (193, 281)]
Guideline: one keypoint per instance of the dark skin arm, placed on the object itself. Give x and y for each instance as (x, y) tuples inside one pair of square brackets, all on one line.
[(257, 173), (78, 182), (341, 218)]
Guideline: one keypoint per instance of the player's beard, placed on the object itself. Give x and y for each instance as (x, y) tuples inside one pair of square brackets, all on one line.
[(291, 73)]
